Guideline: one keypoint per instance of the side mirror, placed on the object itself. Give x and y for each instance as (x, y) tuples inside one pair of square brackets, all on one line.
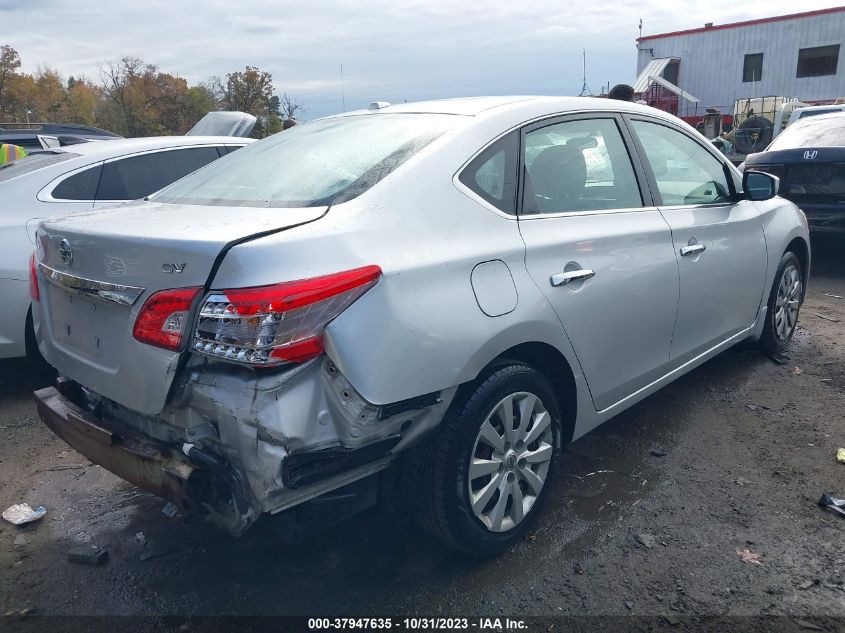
[(759, 185)]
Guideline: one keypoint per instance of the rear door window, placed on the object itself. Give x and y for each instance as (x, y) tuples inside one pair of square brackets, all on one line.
[(139, 176), (80, 186), (685, 172)]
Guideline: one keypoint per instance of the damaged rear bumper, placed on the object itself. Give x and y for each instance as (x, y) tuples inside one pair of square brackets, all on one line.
[(148, 464)]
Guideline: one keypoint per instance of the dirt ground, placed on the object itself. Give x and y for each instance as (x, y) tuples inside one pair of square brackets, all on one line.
[(750, 447)]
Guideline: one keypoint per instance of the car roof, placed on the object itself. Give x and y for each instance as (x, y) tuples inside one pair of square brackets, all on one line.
[(827, 116), (122, 146), (474, 106)]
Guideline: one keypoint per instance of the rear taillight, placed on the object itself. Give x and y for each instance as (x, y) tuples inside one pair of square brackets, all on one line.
[(270, 325), (34, 292), (164, 316)]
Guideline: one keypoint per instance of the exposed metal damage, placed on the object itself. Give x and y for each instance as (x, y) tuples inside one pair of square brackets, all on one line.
[(238, 443)]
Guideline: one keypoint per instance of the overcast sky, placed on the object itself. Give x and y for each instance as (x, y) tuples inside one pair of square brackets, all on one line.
[(390, 50)]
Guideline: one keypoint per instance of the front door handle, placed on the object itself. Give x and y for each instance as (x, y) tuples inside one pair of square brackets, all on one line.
[(692, 249), (561, 279)]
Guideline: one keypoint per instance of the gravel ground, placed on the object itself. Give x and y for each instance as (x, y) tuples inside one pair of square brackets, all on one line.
[(750, 447)]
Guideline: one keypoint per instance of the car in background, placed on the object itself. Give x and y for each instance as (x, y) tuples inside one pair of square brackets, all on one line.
[(809, 159), (802, 113), (80, 178), (423, 302), (54, 135)]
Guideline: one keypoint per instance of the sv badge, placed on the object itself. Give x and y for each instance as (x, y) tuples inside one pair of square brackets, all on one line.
[(172, 268)]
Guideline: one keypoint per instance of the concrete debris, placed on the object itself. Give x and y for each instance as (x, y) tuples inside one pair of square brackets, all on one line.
[(22, 513), (88, 555), (747, 556), (646, 540), (806, 584), (141, 538), (21, 540), (658, 451), (671, 619)]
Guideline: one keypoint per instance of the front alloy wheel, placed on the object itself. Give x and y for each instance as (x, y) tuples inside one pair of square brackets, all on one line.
[(510, 461), (787, 303), (784, 304)]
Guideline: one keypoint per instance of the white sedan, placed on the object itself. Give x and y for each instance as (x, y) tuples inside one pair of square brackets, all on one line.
[(78, 178)]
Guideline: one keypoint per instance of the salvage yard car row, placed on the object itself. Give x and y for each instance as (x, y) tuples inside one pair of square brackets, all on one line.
[(450, 289)]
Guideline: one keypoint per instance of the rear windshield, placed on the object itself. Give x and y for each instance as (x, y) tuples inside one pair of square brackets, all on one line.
[(32, 163), (821, 131), (314, 164)]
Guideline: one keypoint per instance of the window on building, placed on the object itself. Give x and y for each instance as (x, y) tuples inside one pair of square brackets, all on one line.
[(818, 61), (752, 69)]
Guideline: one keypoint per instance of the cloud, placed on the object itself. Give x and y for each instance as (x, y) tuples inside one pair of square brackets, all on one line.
[(389, 50)]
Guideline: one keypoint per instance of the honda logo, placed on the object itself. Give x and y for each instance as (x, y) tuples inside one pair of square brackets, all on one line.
[(810, 154)]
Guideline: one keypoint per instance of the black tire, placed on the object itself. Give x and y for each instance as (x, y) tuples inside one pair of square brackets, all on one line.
[(34, 360), (773, 340), (446, 510)]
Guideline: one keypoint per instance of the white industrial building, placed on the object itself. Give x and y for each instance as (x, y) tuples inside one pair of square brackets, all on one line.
[(796, 55)]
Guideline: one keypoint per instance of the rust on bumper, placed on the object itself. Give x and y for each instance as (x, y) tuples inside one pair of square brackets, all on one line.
[(146, 463)]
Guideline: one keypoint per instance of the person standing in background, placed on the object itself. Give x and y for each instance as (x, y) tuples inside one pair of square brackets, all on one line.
[(621, 92)]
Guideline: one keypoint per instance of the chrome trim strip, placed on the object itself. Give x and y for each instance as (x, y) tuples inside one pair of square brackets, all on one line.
[(97, 290)]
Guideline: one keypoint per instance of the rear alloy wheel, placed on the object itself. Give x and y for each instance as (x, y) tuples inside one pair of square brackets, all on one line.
[(510, 461), (784, 304), (489, 466)]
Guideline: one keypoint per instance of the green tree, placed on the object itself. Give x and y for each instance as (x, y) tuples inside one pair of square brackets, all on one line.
[(250, 91), (10, 61)]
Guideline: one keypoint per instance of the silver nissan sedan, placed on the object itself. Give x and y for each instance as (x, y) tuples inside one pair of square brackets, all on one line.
[(417, 304)]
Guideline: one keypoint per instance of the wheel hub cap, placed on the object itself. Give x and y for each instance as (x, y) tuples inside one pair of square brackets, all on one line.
[(510, 461)]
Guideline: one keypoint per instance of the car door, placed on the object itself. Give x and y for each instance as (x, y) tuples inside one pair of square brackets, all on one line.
[(137, 176), (599, 250), (718, 237)]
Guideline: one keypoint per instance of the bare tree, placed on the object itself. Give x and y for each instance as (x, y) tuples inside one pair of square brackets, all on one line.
[(290, 107)]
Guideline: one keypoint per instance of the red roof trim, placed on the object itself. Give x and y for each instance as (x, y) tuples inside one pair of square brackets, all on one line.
[(719, 27)]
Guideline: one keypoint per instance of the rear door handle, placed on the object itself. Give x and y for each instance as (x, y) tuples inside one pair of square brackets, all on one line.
[(692, 249), (561, 279)]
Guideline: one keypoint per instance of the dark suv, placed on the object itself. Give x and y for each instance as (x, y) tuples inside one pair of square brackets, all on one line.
[(63, 133)]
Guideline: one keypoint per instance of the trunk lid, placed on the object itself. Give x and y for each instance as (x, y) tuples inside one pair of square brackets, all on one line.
[(97, 269)]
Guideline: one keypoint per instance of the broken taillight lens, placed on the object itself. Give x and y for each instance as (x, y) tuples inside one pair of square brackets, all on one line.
[(163, 318), (270, 325), (34, 291)]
